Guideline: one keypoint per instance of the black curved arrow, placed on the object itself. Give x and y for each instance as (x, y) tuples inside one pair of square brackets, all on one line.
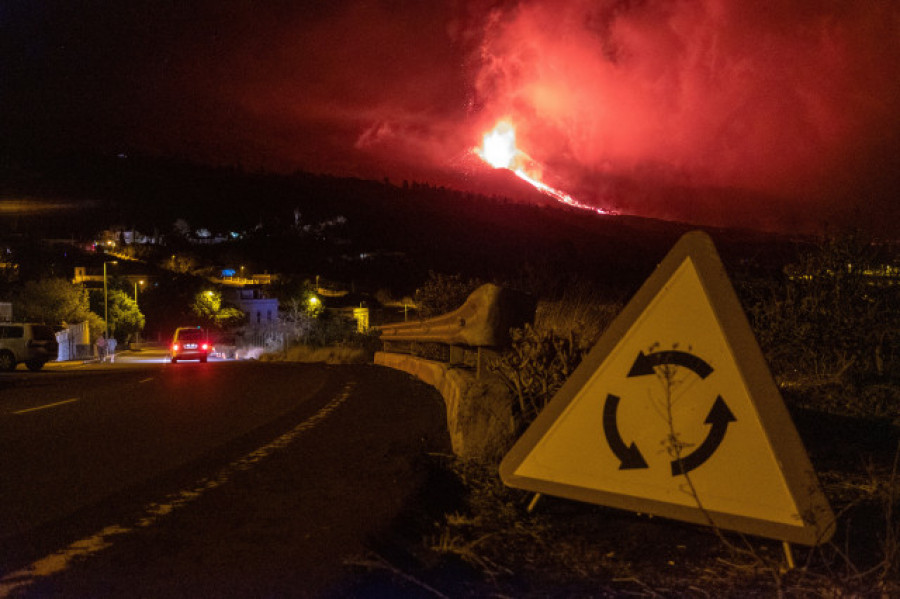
[(644, 363), (629, 456), (719, 417)]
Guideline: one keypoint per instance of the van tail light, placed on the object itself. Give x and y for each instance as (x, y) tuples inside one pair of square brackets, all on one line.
[(174, 347), (205, 346)]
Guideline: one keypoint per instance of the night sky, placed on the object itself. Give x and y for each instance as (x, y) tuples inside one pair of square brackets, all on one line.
[(781, 114)]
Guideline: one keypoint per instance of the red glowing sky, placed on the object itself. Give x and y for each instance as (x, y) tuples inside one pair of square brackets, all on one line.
[(778, 114)]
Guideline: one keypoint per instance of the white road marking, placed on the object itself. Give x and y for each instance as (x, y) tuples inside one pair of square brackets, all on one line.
[(49, 405), (147, 380), (154, 512)]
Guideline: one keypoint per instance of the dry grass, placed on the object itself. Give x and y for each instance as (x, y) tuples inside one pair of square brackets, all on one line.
[(565, 548), (582, 309), (328, 355)]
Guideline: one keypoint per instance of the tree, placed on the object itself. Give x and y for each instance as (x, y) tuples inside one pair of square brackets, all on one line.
[(181, 228), (182, 263), (301, 315), (125, 318), (209, 307), (168, 303), (55, 302), (289, 288)]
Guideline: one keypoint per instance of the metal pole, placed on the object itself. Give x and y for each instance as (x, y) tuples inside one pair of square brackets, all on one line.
[(106, 296), (105, 302), (788, 554)]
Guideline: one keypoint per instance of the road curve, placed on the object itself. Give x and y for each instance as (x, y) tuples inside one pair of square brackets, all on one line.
[(218, 479)]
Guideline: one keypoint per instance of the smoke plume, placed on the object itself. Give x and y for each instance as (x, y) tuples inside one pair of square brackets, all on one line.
[(792, 104)]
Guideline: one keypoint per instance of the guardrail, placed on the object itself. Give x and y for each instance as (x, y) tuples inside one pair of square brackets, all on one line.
[(469, 335)]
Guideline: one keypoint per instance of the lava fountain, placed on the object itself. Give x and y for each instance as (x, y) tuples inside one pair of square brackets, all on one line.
[(499, 150)]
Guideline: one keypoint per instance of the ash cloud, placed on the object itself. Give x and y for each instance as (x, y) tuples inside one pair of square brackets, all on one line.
[(773, 114), (796, 104)]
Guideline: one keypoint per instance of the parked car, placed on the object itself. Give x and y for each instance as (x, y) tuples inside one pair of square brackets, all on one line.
[(225, 346), (33, 344), (190, 343)]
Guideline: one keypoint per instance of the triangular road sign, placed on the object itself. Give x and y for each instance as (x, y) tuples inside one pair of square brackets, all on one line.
[(674, 413)]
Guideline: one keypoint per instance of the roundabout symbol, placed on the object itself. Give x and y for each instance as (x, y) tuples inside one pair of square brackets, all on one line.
[(719, 417)]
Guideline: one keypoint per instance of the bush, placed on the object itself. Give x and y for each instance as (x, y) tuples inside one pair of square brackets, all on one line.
[(581, 308), (541, 357), (832, 318), (536, 366), (441, 294)]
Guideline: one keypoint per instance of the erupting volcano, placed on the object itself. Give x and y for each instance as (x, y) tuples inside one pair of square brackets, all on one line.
[(499, 150), (780, 115)]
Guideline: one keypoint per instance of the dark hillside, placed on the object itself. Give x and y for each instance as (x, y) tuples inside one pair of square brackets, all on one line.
[(419, 227)]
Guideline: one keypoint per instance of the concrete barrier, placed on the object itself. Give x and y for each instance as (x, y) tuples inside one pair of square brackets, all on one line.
[(479, 408), (483, 320), (479, 411)]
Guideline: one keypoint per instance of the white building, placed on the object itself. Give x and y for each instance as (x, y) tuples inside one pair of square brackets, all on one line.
[(252, 301)]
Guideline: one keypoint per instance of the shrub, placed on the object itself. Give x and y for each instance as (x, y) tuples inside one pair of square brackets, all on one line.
[(582, 308), (831, 318), (536, 366), (441, 293), (541, 357)]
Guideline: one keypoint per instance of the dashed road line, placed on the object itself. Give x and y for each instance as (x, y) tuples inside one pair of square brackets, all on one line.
[(154, 512), (49, 405)]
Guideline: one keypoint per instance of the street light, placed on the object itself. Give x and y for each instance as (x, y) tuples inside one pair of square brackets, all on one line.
[(141, 283), (106, 296)]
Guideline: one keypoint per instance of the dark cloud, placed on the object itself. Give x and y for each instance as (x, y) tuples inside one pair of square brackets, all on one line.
[(774, 114)]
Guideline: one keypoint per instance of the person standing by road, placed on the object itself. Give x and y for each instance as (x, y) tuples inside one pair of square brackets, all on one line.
[(111, 349), (101, 347)]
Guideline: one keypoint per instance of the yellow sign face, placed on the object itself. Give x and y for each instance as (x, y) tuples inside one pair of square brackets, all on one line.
[(674, 413)]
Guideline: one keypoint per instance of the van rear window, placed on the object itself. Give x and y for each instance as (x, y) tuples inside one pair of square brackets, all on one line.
[(190, 334)]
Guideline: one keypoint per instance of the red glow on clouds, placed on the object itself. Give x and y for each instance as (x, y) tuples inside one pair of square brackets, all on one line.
[(776, 114), (770, 101)]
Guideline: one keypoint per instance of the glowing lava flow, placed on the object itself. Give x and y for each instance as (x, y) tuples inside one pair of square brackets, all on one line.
[(499, 150)]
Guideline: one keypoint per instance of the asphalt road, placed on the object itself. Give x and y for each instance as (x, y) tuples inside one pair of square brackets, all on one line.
[(230, 478)]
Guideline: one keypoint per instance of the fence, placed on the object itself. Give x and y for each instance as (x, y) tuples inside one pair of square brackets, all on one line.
[(269, 339), (466, 337), (74, 342)]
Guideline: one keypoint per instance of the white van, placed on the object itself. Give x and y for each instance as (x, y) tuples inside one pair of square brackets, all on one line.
[(34, 344)]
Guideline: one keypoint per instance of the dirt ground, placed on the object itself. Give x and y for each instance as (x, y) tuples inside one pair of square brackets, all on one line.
[(473, 537)]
